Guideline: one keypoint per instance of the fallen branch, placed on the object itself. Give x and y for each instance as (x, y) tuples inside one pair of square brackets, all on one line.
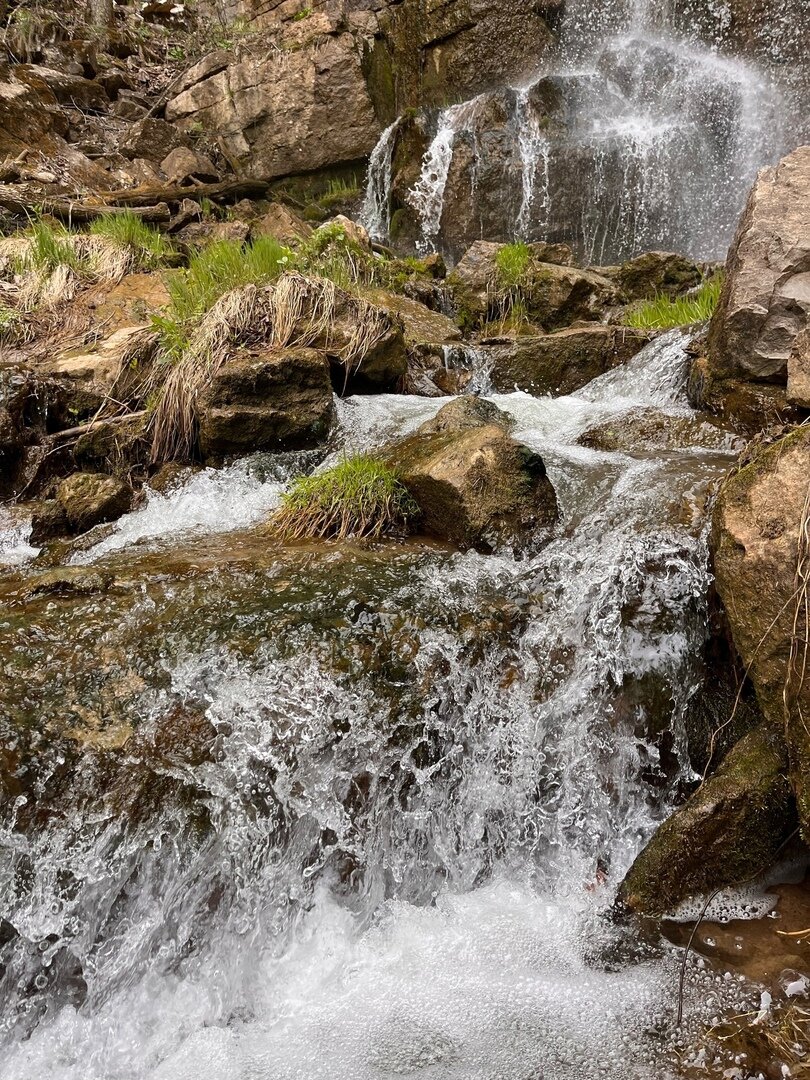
[(74, 433)]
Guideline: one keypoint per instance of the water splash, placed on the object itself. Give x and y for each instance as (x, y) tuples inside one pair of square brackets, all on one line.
[(427, 774), (535, 157)]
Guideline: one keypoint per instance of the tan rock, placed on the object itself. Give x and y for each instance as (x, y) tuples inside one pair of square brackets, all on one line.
[(183, 165), (282, 224), (270, 130), (765, 302), (798, 385), (89, 499), (475, 485)]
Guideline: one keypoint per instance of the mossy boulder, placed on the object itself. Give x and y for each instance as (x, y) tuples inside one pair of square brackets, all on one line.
[(728, 832), (271, 399), (553, 296), (656, 273), (758, 526), (475, 485)]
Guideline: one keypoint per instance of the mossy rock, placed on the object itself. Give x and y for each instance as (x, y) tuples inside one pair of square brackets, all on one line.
[(728, 832)]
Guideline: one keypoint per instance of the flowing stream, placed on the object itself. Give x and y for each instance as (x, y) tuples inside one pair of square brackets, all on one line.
[(356, 811), (643, 129)]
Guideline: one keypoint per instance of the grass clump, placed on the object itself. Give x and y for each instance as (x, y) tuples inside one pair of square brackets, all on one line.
[(216, 270), (512, 264), (664, 313), (359, 497), (14, 327), (148, 247)]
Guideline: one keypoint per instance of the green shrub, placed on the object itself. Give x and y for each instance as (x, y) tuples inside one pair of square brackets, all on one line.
[(149, 247), (663, 313), (361, 496), (14, 327)]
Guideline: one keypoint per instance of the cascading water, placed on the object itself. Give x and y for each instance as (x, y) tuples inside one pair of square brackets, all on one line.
[(355, 812), (376, 213), (643, 129)]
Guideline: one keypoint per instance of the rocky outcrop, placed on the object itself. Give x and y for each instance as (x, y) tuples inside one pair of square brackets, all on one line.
[(475, 485), (765, 302), (759, 544), (553, 296), (562, 362), (655, 273), (728, 832), (274, 399), (294, 103)]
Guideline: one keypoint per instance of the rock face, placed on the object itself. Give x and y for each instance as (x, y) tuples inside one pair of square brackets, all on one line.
[(657, 273), (301, 105), (728, 832), (276, 399), (766, 297), (759, 546), (554, 296), (563, 362), (798, 385), (476, 486)]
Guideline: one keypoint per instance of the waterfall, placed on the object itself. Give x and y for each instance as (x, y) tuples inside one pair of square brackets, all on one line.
[(642, 130), (377, 800), (376, 212)]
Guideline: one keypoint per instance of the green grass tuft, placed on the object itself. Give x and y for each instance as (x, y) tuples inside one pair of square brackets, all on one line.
[(218, 269), (149, 247), (51, 247), (662, 313), (511, 263), (361, 496)]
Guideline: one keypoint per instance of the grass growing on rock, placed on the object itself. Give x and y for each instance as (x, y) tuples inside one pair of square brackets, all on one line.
[(148, 246), (512, 263), (359, 497), (663, 313)]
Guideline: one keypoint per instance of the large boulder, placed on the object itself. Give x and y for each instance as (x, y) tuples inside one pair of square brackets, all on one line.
[(728, 832), (554, 296), (273, 399), (565, 361), (298, 106), (475, 485), (759, 544), (765, 302)]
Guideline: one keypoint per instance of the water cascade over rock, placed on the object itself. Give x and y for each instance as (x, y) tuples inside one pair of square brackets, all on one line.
[(642, 129)]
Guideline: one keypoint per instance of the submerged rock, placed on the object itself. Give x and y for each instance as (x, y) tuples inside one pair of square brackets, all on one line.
[(650, 429), (728, 832), (759, 549), (475, 485), (272, 399), (565, 361)]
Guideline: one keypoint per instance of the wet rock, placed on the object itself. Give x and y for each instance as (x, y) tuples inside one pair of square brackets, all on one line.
[(69, 580), (282, 224), (656, 273), (646, 430), (184, 165), (565, 361), (759, 517), (273, 399), (299, 105), (115, 445), (47, 521), (152, 139), (89, 499), (750, 407), (475, 485), (554, 296), (765, 302), (728, 832)]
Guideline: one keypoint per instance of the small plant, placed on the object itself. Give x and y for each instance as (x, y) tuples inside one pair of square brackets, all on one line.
[(339, 190), (361, 496), (14, 328), (512, 263), (148, 247), (663, 313), (304, 13), (50, 247)]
